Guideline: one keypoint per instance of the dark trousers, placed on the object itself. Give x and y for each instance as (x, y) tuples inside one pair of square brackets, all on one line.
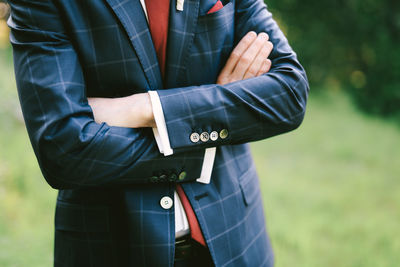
[(189, 253)]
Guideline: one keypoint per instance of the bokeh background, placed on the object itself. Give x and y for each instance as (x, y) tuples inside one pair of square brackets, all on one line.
[(331, 188)]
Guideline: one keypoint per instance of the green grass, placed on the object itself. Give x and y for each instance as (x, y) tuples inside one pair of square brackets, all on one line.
[(331, 188)]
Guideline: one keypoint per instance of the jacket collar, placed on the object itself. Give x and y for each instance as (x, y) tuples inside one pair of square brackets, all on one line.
[(133, 20)]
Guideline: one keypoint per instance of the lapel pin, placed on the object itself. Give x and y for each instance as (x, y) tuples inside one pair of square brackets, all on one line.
[(179, 5)]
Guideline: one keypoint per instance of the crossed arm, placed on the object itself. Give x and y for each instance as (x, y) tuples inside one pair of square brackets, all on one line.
[(74, 151), (248, 59)]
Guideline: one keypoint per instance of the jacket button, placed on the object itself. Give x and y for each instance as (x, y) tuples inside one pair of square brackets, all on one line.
[(182, 176), (163, 178), (166, 202), (194, 137), (173, 177), (204, 137), (223, 133), (214, 136)]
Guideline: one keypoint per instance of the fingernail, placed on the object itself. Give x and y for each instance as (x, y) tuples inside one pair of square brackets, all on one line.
[(252, 34), (263, 35)]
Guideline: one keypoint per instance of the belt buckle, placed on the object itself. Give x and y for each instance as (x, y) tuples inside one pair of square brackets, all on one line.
[(183, 248)]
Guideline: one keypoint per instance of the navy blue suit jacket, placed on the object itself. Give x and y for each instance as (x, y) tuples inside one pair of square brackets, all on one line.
[(111, 179)]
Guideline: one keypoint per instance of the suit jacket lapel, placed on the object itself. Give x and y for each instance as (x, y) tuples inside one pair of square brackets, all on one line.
[(133, 19), (182, 25)]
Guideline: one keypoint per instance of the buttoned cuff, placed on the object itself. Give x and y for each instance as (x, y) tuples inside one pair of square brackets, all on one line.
[(162, 139), (160, 133)]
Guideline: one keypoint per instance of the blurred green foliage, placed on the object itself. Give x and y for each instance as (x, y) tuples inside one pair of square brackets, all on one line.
[(352, 44), (4, 30), (27, 203)]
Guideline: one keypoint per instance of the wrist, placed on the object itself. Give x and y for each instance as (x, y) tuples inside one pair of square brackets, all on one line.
[(142, 111), (148, 115)]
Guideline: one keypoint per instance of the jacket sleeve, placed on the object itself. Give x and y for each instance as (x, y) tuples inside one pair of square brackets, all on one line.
[(246, 110), (72, 150)]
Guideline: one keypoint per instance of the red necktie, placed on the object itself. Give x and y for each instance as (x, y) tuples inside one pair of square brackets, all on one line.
[(158, 14), (195, 231)]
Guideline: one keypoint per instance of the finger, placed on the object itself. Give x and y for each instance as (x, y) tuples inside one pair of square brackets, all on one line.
[(262, 62), (262, 69), (248, 57), (269, 65), (266, 66), (258, 62), (237, 52)]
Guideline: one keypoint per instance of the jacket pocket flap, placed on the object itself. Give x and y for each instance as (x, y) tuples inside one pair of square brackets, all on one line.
[(249, 186)]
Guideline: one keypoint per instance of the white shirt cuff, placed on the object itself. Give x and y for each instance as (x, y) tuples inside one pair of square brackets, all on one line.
[(206, 169), (160, 133)]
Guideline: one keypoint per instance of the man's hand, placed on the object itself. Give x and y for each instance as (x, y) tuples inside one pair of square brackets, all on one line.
[(248, 59), (133, 111)]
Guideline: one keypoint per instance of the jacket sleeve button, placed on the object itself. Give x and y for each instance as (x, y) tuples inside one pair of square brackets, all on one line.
[(194, 137), (223, 133), (214, 136), (204, 137), (163, 178), (182, 176), (173, 177)]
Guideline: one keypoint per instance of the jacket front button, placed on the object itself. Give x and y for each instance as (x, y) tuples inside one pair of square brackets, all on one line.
[(166, 203)]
